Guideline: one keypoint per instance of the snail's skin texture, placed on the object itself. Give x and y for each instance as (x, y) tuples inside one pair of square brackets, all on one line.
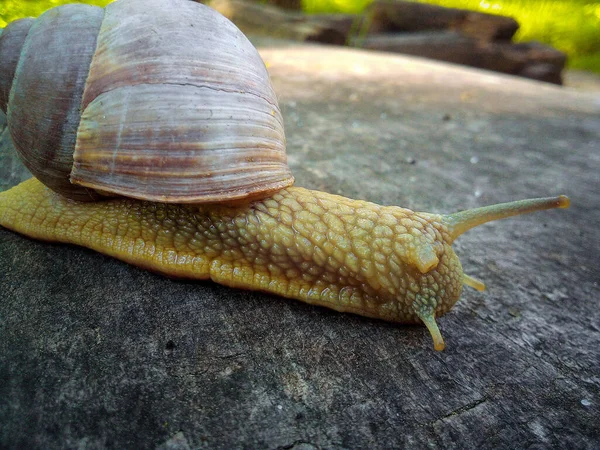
[(377, 261)]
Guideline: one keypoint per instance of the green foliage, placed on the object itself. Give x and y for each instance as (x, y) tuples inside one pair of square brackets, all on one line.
[(335, 6), (15, 9)]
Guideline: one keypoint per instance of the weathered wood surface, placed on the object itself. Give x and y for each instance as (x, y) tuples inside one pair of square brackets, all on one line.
[(98, 354)]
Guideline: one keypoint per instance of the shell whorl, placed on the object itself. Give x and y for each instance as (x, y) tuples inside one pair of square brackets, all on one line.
[(11, 43), (170, 102), (47, 88)]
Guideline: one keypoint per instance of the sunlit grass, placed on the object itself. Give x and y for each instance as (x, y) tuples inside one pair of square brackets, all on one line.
[(15, 9), (341, 6)]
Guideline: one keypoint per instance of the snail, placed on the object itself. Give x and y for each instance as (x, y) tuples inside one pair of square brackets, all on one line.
[(154, 136)]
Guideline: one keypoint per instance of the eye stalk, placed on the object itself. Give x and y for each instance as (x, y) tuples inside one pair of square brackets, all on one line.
[(425, 306), (473, 282), (462, 221)]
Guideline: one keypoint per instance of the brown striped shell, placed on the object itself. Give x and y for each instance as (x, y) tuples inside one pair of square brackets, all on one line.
[(162, 100)]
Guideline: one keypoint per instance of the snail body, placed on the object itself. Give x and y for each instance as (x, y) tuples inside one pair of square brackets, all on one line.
[(349, 255), (354, 256)]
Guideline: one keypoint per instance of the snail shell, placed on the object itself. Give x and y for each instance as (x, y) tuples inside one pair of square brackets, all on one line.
[(162, 100)]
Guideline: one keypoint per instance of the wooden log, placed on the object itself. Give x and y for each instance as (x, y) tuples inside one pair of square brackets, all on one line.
[(543, 63), (531, 60), (396, 16), (447, 46), (487, 27), (95, 353)]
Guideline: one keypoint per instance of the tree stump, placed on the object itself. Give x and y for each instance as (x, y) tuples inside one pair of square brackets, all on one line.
[(95, 353)]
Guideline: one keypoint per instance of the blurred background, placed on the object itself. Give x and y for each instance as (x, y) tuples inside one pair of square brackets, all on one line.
[(570, 26)]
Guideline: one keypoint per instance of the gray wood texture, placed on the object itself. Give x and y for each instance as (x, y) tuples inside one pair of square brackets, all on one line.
[(95, 353)]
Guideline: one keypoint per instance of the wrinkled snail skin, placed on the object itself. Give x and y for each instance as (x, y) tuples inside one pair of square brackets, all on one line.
[(353, 256)]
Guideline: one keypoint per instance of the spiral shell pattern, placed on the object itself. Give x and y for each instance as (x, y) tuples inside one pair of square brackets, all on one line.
[(162, 100)]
